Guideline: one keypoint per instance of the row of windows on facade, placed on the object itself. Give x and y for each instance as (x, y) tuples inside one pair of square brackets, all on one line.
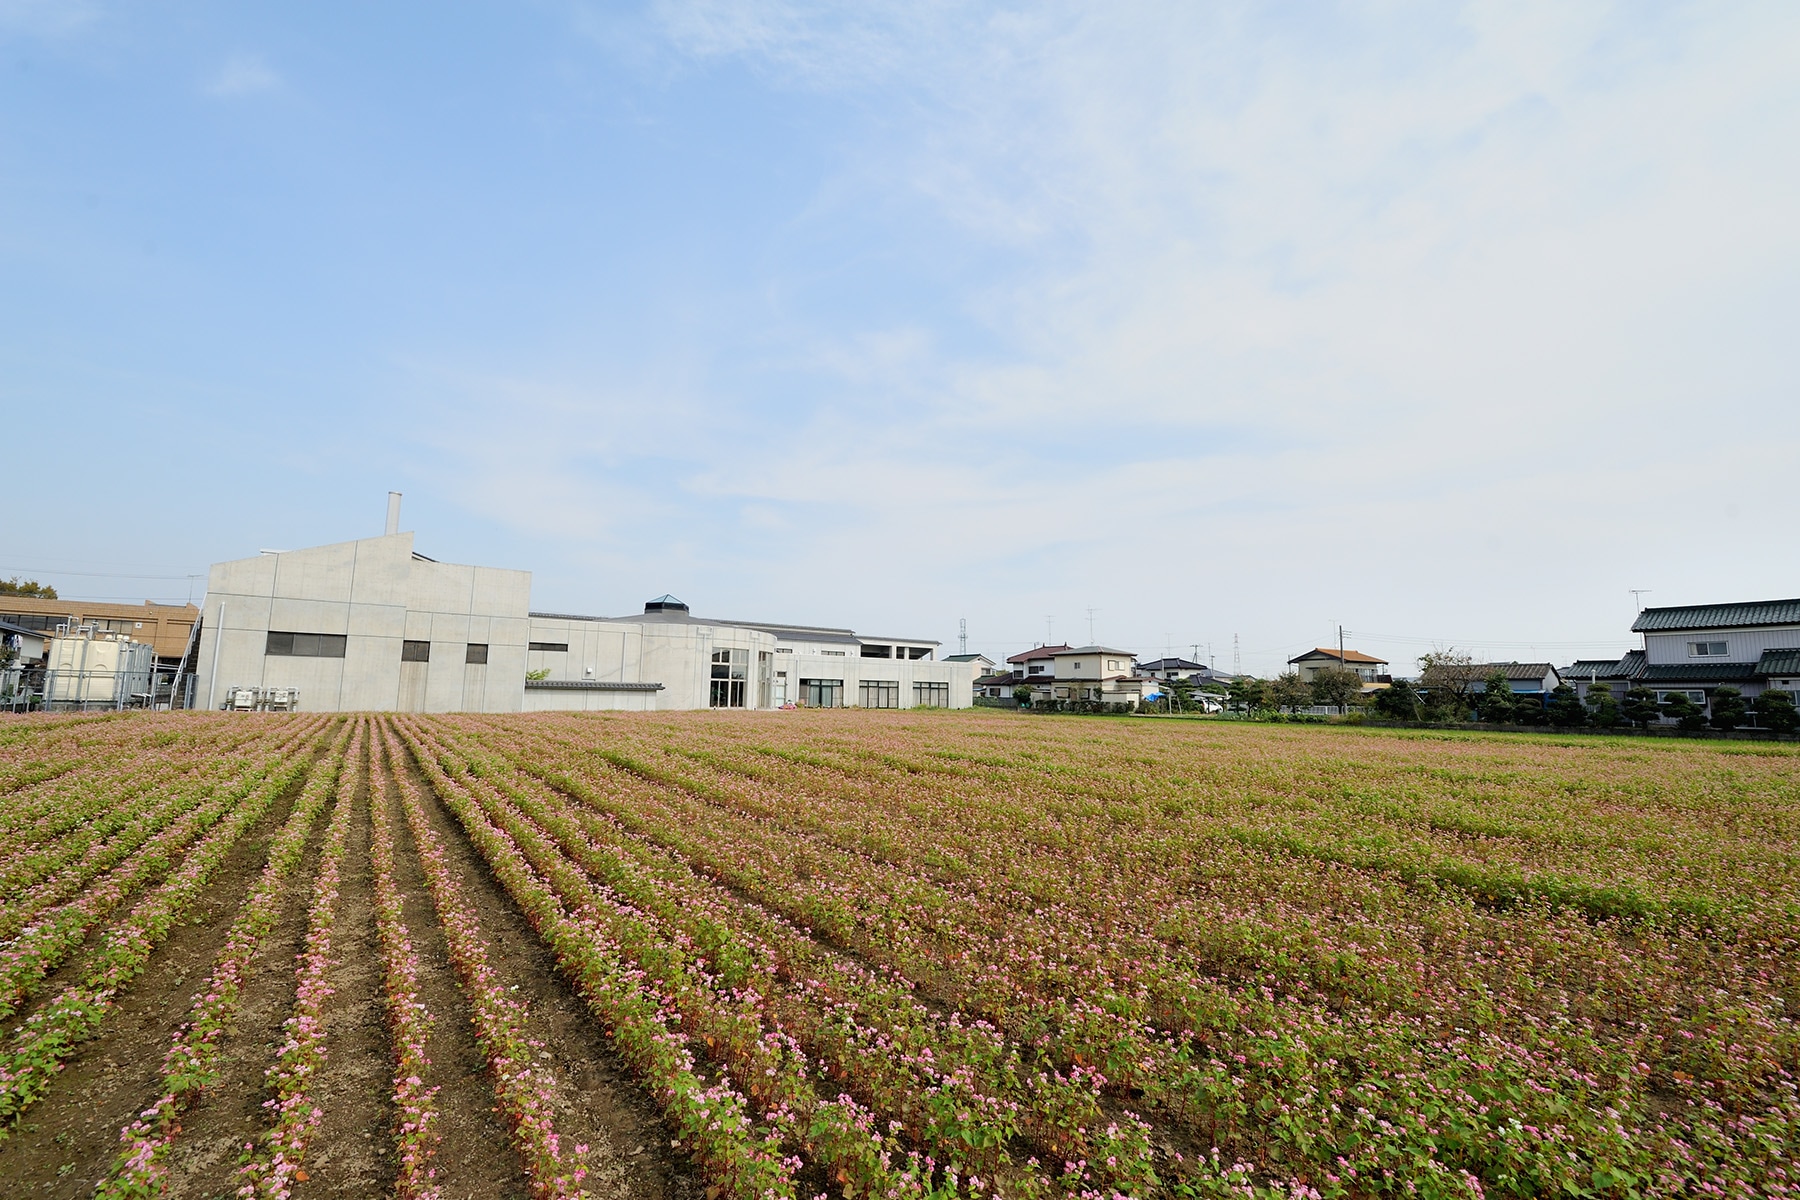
[(829, 693), (283, 644)]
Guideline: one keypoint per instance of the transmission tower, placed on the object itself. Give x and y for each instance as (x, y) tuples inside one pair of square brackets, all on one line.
[(962, 638)]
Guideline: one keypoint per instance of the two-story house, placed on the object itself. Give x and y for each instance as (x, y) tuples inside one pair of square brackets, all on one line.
[(1752, 646), (1368, 668)]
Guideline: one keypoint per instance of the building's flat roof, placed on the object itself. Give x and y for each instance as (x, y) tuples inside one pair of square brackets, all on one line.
[(809, 633), (1094, 650)]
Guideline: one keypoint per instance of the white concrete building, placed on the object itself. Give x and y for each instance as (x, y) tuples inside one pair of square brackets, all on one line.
[(667, 658), (366, 625), (373, 625)]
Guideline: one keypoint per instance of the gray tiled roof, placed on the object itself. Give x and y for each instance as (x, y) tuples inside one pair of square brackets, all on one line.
[(1514, 670), (1718, 616), (1591, 668), (1698, 672), (1779, 662)]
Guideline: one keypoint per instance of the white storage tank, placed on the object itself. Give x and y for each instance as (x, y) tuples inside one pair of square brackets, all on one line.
[(89, 668)]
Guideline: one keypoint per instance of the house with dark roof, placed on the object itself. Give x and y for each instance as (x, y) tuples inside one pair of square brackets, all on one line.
[(1367, 667), (1525, 679), (1753, 646), (1198, 674)]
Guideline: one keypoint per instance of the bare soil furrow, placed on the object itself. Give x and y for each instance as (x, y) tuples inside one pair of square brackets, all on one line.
[(351, 1154), (473, 1161), (600, 1103), (66, 1143), (203, 1160)]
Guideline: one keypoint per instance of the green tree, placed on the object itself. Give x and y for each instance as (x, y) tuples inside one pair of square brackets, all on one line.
[(1640, 707), (1339, 686), (1448, 678), (26, 587), (1495, 701), (1252, 694), (1291, 692), (1728, 709), (1565, 707), (1684, 712), (1022, 695), (1776, 711), (1604, 708), (1398, 701)]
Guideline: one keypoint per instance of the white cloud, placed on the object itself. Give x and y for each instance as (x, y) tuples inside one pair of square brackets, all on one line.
[(1323, 312), (47, 18), (243, 75)]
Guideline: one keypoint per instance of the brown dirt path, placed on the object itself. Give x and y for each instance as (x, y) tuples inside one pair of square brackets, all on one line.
[(65, 1144), (473, 1161), (203, 1159), (351, 1153), (600, 1103)]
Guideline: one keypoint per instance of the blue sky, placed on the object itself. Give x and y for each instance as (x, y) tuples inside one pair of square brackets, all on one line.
[(1447, 323)]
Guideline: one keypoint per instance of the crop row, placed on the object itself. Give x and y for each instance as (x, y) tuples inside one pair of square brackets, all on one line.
[(191, 1063), (1258, 1058), (38, 1047)]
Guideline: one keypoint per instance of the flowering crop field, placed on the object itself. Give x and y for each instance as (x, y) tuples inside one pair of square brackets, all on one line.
[(899, 955)]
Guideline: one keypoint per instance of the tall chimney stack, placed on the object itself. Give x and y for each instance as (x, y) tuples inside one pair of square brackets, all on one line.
[(393, 525)]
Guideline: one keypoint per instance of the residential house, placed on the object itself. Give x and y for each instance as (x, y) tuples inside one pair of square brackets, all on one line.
[(1101, 674), (1367, 667), (1753, 646), (1525, 679)]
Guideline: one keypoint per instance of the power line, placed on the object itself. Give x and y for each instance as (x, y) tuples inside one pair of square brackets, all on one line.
[(98, 574), (1457, 641)]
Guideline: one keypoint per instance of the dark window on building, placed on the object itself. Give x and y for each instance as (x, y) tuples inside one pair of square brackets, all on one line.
[(931, 695), (476, 653), (918, 652), (41, 622), (730, 673), (305, 645), (879, 693), (869, 651), (553, 647), (411, 651), (822, 693)]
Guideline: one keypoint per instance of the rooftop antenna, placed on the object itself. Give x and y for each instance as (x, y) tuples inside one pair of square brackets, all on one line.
[(1637, 592), (393, 520), (962, 638)]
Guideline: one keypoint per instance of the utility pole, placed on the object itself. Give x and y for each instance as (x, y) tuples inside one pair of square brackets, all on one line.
[(1237, 665), (1341, 661), (1047, 638), (1090, 625)]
